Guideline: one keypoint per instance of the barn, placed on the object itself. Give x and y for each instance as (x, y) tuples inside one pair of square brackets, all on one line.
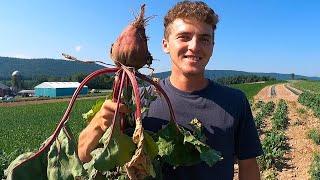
[(56, 89), (4, 90)]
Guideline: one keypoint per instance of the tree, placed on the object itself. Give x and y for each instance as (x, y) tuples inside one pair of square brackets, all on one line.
[(292, 76)]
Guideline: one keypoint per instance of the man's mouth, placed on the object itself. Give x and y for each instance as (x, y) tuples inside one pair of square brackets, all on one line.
[(193, 58)]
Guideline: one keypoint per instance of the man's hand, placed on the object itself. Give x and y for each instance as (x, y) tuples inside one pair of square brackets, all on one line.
[(90, 136), (105, 116), (249, 169)]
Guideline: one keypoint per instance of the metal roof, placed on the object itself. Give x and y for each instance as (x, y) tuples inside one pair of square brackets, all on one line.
[(2, 86), (16, 73), (58, 85), (26, 92)]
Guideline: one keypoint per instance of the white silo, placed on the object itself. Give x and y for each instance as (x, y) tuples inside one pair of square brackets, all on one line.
[(16, 82)]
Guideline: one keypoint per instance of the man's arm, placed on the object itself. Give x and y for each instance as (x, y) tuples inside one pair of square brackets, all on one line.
[(249, 169)]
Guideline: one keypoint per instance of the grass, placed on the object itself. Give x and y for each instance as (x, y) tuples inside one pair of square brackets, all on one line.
[(313, 86), (301, 111), (314, 135), (315, 167)]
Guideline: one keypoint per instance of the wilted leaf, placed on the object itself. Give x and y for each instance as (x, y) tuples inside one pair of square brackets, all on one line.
[(140, 165)]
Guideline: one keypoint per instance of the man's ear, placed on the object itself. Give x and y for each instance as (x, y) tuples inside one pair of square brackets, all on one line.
[(165, 46)]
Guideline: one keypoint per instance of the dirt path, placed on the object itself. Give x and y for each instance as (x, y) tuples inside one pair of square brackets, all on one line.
[(298, 157), (301, 148)]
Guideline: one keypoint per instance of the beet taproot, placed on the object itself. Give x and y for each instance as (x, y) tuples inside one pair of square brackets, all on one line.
[(131, 48)]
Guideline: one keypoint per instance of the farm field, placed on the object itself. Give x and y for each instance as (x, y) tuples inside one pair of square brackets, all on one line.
[(293, 128), (26, 125), (289, 131)]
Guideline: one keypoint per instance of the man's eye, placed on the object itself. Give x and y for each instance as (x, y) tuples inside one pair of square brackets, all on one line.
[(206, 40), (183, 37)]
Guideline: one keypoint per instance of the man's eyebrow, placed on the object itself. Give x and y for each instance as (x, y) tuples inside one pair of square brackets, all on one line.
[(183, 33), (187, 33), (206, 35)]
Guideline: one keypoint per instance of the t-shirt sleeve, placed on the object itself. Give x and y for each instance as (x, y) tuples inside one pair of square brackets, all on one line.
[(247, 143)]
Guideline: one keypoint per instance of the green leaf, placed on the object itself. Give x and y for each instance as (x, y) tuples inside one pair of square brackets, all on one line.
[(95, 108), (207, 154), (34, 168), (63, 161), (148, 96), (92, 112), (150, 146), (58, 162), (179, 147), (117, 153), (173, 149)]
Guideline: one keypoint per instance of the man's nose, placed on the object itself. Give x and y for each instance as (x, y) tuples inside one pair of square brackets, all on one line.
[(193, 44)]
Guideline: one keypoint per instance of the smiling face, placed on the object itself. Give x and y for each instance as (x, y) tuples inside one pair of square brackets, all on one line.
[(190, 46)]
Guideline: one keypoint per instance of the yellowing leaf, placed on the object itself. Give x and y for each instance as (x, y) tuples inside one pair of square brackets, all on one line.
[(140, 165)]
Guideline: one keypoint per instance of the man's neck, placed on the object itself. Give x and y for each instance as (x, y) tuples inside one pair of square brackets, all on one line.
[(188, 83)]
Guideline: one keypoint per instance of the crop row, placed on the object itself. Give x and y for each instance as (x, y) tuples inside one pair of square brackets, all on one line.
[(265, 111), (274, 142), (312, 101)]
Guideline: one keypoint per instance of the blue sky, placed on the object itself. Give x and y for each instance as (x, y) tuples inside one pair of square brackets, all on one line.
[(280, 36)]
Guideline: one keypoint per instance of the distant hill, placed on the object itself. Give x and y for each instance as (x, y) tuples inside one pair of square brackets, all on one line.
[(216, 74), (66, 68), (45, 66)]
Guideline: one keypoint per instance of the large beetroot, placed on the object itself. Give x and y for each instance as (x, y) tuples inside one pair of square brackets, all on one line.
[(131, 49)]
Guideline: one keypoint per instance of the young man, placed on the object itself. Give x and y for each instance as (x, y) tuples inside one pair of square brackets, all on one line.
[(224, 112)]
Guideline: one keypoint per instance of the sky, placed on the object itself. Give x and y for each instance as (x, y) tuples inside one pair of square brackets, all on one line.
[(281, 36)]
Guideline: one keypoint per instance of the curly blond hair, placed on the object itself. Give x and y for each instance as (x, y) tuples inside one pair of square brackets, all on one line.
[(196, 10)]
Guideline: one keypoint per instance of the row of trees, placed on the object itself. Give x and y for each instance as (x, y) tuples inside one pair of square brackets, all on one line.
[(242, 79), (103, 81)]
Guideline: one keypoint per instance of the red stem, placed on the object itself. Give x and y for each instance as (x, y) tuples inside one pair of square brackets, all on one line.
[(136, 93), (145, 78), (122, 82)]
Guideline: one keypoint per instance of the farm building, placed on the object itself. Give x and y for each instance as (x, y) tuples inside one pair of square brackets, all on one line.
[(26, 93), (4, 90), (56, 89)]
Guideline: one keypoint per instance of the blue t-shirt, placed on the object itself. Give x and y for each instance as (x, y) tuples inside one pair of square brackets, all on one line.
[(228, 125)]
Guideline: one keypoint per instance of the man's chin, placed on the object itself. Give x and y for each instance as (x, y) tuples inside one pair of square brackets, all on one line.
[(195, 72)]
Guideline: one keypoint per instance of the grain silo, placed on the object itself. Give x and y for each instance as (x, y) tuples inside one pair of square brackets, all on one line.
[(16, 79)]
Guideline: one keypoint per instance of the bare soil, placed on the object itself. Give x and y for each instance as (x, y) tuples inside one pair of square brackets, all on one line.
[(298, 156)]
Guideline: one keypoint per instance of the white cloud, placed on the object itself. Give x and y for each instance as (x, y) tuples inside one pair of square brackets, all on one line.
[(78, 48)]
